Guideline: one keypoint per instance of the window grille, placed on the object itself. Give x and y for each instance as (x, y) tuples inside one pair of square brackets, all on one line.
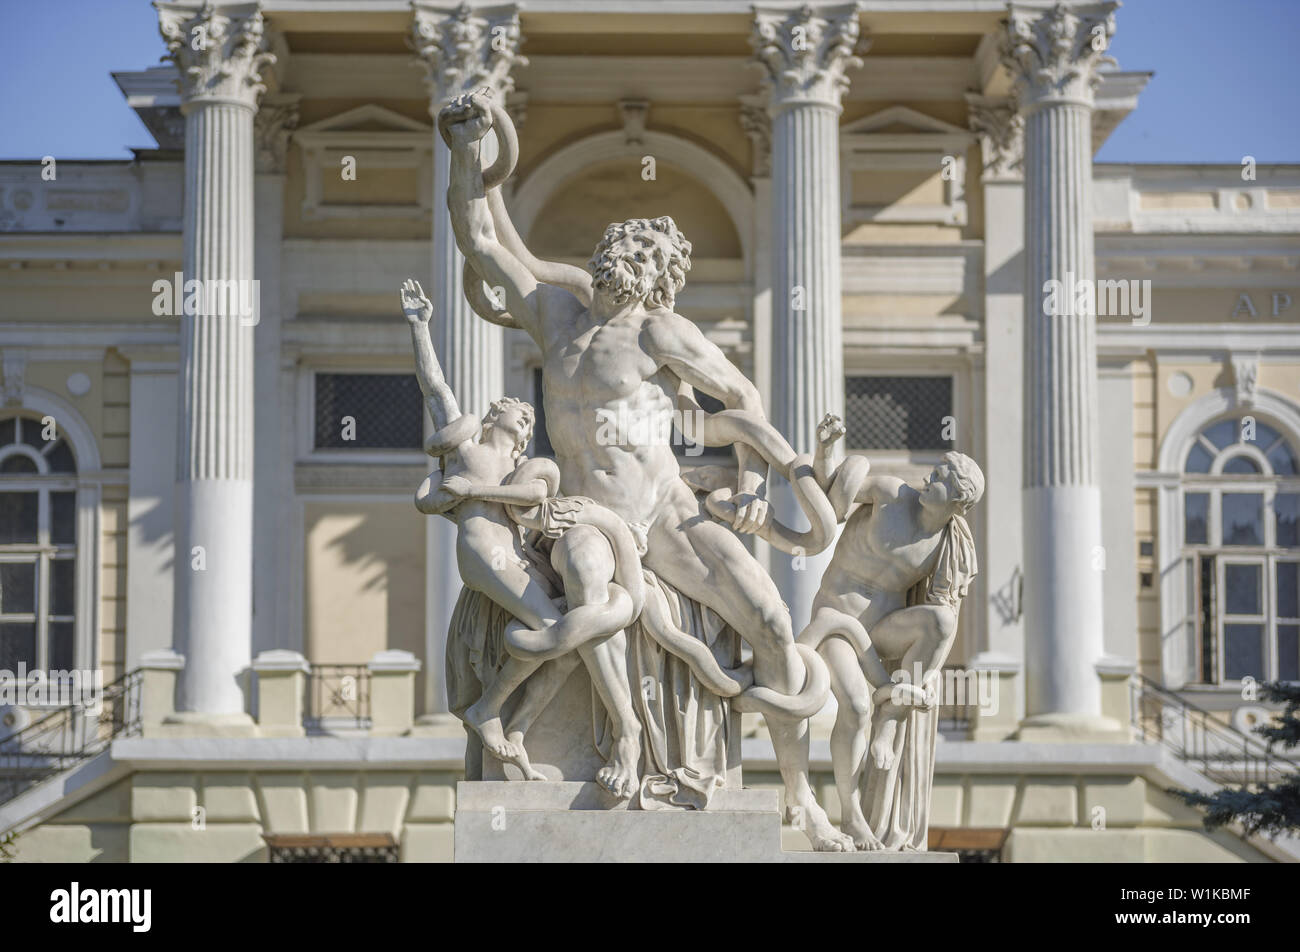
[(897, 413), (368, 411)]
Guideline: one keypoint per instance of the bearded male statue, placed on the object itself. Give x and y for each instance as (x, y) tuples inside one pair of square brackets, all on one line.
[(613, 348)]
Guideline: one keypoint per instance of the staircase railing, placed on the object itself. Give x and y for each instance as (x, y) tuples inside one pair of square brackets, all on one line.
[(1217, 750), (68, 736)]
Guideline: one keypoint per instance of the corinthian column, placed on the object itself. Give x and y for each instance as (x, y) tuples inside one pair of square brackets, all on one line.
[(220, 51), (461, 50), (804, 54), (1053, 56)]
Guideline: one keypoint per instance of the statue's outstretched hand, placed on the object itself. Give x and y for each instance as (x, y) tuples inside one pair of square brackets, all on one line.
[(467, 118), (830, 429), (415, 305)]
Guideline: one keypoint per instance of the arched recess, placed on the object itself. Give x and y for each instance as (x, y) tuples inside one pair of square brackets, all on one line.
[(568, 163), (37, 402), (1177, 647)]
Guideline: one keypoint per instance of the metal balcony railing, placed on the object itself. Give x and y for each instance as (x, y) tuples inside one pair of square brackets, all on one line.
[(1218, 751), (338, 698), (67, 736)]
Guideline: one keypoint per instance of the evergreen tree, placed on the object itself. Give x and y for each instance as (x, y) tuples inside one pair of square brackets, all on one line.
[(1268, 809)]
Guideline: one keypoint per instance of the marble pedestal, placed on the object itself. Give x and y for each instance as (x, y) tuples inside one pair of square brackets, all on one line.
[(567, 822)]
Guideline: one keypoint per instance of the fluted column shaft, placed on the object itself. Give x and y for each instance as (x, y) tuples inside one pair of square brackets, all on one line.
[(807, 335), (807, 332), (1063, 585), (1061, 350), (214, 577), (1053, 55), (461, 50), (804, 54), (470, 349), (219, 51)]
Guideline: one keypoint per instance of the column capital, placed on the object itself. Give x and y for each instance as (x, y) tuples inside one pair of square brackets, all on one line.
[(272, 127), (805, 52), (756, 122), (220, 50), (465, 48), (1001, 131), (1053, 55)]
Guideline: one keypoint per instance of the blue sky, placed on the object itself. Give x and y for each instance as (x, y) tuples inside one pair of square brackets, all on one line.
[(1225, 86)]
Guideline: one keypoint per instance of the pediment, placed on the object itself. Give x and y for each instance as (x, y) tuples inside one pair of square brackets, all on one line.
[(888, 158), (368, 119), (370, 143), (900, 120)]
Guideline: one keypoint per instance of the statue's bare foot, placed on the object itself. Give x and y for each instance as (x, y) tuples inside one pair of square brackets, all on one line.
[(882, 745), (863, 839), (516, 739), (489, 729), (619, 776), (824, 838)]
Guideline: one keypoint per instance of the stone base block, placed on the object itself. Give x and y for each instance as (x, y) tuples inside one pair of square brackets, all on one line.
[(566, 822), (437, 725), (1072, 729), (195, 724)]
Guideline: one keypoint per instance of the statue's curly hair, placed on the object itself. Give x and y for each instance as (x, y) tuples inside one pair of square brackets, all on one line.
[(670, 270), (500, 406), (970, 478)]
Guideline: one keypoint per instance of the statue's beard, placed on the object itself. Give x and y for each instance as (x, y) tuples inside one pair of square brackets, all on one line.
[(623, 284)]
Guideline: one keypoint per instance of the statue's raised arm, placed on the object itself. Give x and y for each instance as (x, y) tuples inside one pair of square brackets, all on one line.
[(451, 427), (474, 199)]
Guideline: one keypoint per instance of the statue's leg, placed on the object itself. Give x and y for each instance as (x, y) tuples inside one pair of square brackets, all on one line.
[(849, 736), (519, 593), (585, 562), (473, 754), (708, 563), (922, 635)]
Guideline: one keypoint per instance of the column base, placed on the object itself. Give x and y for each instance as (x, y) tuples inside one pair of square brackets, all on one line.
[(441, 724), (999, 703), (280, 730), (201, 724), (1072, 729)]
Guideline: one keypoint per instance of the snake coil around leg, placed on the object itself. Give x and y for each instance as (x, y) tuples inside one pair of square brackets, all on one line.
[(810, 699)]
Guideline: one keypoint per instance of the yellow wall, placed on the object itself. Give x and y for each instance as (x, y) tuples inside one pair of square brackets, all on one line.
[(364, 580)]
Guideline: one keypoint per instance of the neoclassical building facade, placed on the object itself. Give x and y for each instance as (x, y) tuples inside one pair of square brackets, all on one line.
[(214, 510)]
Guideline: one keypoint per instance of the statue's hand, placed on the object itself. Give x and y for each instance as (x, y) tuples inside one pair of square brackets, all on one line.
[(467, 118), (415, 305), (751, 512), (458, 487), (830, 429)]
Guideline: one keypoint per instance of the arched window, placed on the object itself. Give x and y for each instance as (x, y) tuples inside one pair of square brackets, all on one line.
[(38, 545), (1241, 537)]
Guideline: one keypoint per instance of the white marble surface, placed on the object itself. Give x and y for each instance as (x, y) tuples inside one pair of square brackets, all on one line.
[(544, 822)]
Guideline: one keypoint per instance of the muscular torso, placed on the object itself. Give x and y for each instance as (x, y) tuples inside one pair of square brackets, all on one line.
[(881, 554), (609, 411)]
